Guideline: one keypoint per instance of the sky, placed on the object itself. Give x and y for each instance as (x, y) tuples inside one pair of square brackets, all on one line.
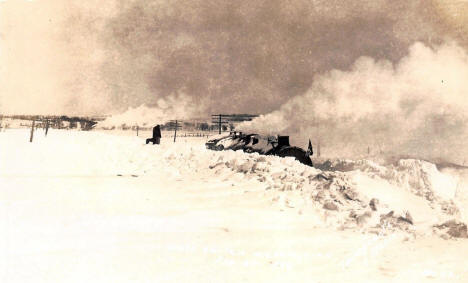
[(102, 57)]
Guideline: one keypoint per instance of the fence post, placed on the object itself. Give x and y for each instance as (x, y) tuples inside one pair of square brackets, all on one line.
[(47, 127), (175, 131), (32, 131)]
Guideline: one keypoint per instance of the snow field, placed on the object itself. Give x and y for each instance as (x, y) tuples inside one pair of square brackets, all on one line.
[(94, 207), (412, 193)]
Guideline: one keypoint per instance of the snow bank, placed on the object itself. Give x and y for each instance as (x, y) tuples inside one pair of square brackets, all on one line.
[(421, 177), (411, 196)]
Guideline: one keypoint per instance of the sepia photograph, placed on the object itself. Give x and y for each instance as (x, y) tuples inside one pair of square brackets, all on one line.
[(233, 141)]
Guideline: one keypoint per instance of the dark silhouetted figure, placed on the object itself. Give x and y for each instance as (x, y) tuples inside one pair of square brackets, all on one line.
[(156, 136)]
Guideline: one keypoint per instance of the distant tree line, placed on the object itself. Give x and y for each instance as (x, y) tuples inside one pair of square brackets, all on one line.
[(58, 122)]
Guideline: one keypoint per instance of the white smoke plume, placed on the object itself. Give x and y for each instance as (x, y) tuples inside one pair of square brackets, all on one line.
[(178, 106), (417, 107)]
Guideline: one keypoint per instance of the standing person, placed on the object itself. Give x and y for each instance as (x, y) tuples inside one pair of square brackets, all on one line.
[(157, 134), (156, 139)]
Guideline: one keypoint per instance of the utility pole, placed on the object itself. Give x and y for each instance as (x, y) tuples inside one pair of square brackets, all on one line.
[(174, 125), (221, 119), (219, 123)]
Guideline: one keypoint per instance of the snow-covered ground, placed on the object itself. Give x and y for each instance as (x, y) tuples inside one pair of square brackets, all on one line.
[(104, 207)]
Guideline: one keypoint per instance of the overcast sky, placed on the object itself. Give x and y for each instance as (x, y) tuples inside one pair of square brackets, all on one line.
[(97, 57)]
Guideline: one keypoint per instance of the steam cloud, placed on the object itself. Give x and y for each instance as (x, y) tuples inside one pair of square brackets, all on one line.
[(179, 106), (415, 107)]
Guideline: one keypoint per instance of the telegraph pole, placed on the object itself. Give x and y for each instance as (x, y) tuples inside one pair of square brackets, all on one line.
[(219, 123), (221, 119), (174, 125)]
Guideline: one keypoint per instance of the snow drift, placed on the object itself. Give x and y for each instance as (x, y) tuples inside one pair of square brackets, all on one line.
[(411, 196)]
